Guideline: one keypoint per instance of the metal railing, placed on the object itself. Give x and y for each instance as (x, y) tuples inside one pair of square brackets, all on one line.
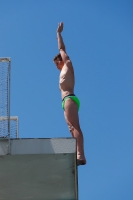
[(5, 67), (13, 127)]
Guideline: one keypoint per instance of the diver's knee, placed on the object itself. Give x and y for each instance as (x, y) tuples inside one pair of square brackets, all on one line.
[(71, 128), (77, 126)]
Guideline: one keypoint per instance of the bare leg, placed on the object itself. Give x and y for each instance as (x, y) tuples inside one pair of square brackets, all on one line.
[(72, 119)]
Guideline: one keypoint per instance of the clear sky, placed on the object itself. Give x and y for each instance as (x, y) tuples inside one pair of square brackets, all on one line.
[(99, 39)]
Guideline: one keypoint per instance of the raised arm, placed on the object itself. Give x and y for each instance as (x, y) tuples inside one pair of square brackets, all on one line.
[(61, 45)]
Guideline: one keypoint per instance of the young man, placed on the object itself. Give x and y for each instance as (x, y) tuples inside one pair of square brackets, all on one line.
[(70, 103)]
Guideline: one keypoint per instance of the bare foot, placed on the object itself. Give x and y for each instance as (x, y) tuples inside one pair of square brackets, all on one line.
[(81, 160)]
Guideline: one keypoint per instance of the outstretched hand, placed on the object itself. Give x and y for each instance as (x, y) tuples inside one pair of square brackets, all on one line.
[(60, 27)]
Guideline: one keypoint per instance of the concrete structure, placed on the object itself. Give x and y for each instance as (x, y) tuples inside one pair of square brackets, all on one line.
[(38, 169)]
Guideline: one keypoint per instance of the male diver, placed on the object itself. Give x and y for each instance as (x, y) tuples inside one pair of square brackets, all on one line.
[(70, 103)]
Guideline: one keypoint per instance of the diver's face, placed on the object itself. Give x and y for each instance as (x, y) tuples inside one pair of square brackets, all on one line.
[(59, 64)]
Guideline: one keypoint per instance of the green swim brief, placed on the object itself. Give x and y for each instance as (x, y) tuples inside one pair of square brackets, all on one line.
[(73, 97)]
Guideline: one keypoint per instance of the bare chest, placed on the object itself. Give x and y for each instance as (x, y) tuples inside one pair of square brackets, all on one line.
[(66, 73)]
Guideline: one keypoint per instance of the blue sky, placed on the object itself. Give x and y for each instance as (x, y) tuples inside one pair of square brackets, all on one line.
[(99, 39)]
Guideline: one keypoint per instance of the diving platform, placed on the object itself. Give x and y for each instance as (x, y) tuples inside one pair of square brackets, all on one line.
[(38, 169)]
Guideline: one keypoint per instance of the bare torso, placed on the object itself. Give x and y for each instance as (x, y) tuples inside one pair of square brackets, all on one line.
[(66, 80)]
